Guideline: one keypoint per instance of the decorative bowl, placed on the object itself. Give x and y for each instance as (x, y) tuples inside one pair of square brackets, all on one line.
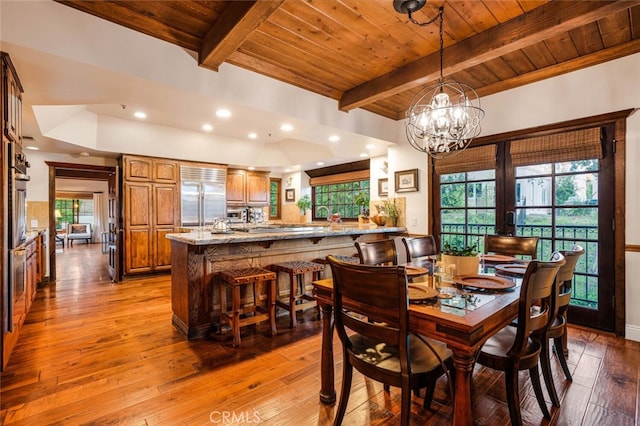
[(378, 220)]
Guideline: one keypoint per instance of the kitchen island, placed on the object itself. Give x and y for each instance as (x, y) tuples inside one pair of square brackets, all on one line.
[(198, 256)]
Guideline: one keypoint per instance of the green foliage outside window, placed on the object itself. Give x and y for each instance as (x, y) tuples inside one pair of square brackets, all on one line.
[(338, 198)]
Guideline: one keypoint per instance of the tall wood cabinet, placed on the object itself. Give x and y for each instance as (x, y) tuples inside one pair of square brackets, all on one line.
[(151, 198), (10, 131), (247, 188), (11, 100)]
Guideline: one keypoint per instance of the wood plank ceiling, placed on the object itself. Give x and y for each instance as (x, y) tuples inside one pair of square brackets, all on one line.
[(365, 55)]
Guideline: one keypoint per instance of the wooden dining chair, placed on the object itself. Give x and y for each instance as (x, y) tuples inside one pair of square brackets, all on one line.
[(417, 247), (517, 348), (379, 252), (511, 245), (557, 330), (371, 319)]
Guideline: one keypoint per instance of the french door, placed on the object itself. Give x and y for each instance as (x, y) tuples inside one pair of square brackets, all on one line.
[(554, 196)]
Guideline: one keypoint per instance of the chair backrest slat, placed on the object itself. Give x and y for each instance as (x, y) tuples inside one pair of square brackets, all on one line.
[(420, 246), (511, 245), (380, 252)]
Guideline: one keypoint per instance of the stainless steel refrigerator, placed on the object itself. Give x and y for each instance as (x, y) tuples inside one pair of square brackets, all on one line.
[(203, 193)]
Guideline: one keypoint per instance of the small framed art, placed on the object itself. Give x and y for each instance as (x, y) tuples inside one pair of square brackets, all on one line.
[(407, 180), (383, 187), (290, 194)]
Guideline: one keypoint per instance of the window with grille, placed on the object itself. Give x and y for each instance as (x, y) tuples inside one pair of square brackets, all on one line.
[(338, 198)]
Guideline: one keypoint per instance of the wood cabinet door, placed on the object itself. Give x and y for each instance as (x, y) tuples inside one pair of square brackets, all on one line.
[(162, 252), (165, 171), (165, 205), (138, 250), (137, 168), (166, 215), (137, 222), (236, 185), (14, 107), (137, 201), (258, 189)]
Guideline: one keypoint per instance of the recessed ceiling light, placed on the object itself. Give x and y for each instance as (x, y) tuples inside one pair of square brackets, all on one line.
[(140, 114), (252, 135), (33, 148), (286, 127), (223, 113), (370, 146), (287, 170), (251, 168), (84, 154), (364, 154), (334, 138), (319, 163), (207, 127)]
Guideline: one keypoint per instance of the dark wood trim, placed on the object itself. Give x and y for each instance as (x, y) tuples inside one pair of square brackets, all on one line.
[(619, 166), (633, 248), (52, 224), (340, 168), (548, 129)]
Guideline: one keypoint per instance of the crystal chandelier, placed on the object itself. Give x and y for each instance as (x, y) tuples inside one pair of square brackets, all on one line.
[(444, 117)]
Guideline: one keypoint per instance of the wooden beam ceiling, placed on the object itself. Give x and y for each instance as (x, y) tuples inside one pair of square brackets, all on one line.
[(237, 21), (538, 25)]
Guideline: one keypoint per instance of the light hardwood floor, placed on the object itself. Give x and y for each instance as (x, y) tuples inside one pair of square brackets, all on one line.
[(93, 352)]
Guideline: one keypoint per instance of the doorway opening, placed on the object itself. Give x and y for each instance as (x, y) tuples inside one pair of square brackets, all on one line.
[(75, 192)]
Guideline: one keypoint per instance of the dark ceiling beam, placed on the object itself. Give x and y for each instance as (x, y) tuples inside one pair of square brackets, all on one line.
[(229, 31), (538, 25)]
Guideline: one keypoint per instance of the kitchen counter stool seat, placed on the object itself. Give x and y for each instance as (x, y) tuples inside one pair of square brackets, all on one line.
[(300, 297), (243, 311)]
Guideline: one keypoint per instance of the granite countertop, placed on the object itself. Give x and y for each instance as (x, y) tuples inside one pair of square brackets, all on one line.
[(206, 237)]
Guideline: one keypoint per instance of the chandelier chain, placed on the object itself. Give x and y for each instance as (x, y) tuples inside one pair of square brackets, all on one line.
[(444, 117)]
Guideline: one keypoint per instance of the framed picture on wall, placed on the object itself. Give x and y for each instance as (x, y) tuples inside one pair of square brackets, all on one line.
[(383, 187), (290, 194), (407, 180)]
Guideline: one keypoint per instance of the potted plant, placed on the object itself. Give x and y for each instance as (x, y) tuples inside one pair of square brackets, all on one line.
[(460, 260), (392, 210), (304, 204), (362, 200)]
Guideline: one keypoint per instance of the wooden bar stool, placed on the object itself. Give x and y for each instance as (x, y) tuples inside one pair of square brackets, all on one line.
[(252, 313), (298, 299)]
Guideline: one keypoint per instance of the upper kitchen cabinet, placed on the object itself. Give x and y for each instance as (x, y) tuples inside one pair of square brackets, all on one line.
[(11, 100), (245, 188), (147, 169)]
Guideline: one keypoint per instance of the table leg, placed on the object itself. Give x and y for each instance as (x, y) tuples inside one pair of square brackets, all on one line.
[(462, 414), (327, 385)]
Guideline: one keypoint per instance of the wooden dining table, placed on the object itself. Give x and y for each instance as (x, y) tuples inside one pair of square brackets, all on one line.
[(463, 330)]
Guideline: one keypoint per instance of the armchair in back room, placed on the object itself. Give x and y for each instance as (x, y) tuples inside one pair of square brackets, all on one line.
[(78, 231)]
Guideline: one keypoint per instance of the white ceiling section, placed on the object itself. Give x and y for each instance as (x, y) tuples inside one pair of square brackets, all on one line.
[(78, 71)]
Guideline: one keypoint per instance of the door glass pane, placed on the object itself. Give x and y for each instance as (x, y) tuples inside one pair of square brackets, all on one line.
[(562, 217), (452, 195), (536, 169), (467, 212), (533, 191), (577, 189)]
